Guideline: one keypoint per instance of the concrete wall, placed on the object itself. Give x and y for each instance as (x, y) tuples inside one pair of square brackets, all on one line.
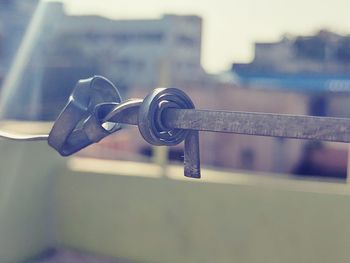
[(109, 208), (26, 212), (237, 219)]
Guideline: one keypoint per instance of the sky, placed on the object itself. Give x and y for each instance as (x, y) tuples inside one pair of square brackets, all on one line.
[(231, 27)]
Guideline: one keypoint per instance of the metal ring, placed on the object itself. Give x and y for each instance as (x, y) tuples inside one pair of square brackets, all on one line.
[(67, 135), (150, 116)]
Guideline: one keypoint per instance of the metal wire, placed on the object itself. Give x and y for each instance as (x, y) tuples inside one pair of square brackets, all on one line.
[(22, 137)]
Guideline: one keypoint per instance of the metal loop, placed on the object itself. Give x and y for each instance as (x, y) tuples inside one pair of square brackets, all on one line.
[(150, 122), (94, 127), (79, 124), (154, 131)]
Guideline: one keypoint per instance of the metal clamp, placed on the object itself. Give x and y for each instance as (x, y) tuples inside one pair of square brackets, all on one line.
[(79, 123)]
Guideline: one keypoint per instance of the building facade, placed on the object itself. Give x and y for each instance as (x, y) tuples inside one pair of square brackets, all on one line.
[(303, 63), (141, 54), (138, 53), (14, 18)]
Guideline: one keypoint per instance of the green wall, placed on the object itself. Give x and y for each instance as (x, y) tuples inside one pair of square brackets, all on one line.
[(43, 203), (162, 220), (26, 212)]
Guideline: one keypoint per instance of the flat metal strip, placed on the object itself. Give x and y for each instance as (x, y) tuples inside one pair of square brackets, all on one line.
[(261, 124)]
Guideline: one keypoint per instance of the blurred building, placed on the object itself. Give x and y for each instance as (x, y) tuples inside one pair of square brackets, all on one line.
[(316, 67), (132, 53), (139, 53), (14, 18), (304, 63), (142, 53)]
